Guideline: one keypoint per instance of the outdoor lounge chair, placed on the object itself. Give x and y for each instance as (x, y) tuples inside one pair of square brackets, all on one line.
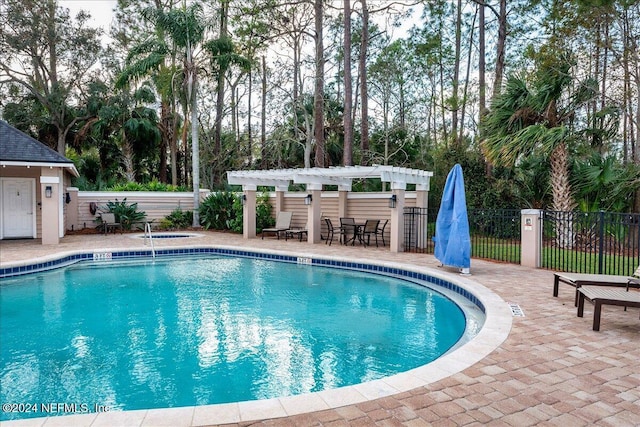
[(283, 223), (578, 280), (605, 296)]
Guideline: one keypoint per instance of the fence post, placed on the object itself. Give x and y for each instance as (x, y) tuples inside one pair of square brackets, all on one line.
[(601, 242), (531, 240)]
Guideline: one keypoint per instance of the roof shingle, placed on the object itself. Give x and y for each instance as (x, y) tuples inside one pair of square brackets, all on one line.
[(17, 146)]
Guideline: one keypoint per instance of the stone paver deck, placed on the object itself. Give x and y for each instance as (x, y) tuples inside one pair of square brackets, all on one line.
[(553, 369)]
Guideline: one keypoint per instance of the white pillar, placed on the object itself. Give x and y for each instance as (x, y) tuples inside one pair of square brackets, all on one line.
[(280, 198), (531, 240), (314, 211), (249, 211), (51, 199), (397, 218)]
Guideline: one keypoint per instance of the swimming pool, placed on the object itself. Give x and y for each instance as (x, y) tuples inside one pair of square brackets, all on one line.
[(413, 275)]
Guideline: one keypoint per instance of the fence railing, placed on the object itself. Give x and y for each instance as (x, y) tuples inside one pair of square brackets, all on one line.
[(495, 233), (591, 242)]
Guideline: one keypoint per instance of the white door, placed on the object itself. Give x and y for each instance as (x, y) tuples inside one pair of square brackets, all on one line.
[(18, 208)]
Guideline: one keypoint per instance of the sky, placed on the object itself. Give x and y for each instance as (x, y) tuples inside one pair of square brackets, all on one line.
[(101, 10), (102, 13)]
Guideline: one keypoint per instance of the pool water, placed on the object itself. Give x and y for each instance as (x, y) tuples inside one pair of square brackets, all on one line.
[(182, 332)]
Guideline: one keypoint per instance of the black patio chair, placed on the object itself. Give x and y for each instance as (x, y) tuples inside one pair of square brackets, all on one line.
[(330, 231), (380, 231)]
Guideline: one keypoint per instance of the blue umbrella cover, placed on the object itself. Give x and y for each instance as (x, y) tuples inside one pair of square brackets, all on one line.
[(452, 239)]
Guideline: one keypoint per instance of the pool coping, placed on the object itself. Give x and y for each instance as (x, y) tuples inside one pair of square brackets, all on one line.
[(496, 328)]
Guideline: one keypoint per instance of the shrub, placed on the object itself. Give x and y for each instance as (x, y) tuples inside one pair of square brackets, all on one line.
[(126, 214), (223, 211), (217, 211), (154, 185), (177, 219)]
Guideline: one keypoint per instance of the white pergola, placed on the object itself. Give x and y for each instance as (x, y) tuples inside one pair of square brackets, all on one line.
[(315, 178)]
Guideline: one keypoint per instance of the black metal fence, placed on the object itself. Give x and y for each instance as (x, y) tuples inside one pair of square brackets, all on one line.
[(591, 242), (495, 233)]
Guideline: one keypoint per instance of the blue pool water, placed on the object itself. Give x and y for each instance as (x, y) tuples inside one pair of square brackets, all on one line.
[(182, 332)]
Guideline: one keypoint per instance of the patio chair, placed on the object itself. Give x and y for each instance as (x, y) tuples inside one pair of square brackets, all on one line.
[(370, 227), (283, 223), (578, 280), (380, 231), (347, 227), (330, 231), (109, 223)]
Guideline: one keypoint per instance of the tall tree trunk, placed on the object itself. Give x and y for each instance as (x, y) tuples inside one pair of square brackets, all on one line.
[(561, 192), (466, 79), (500, 49), (482, 83), (263, 118), (195, 163), (249, 132), (318, 102), (364, 95), (456, 75), (217, 133), (165, 138), (347, 157)]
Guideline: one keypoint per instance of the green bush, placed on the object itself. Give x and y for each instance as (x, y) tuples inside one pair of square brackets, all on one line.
[(154, 185), (223, 211), (217, 211), (177, 219), (126, 214)]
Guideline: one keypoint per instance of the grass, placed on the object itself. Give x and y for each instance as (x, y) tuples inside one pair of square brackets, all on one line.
[(585, 262)]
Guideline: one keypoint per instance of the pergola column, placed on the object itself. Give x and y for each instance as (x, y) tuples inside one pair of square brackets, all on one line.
[(422, 201), (249, 211), (397, 217), (343, 201), (280, 190), (314, 213)]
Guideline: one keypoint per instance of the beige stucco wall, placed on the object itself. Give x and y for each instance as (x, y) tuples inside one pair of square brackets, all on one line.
[(24, 172), (156, 205), (51, 207)]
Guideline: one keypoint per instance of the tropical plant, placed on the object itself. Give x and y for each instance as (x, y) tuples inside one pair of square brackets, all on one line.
[(126, 214), (217, 212), (601, 183), (536, 115), (177, 219)]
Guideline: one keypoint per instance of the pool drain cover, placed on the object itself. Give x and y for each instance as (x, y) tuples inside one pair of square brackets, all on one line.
[(516, 310)]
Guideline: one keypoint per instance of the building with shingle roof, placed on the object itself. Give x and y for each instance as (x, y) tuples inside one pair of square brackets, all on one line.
[(33, 179)]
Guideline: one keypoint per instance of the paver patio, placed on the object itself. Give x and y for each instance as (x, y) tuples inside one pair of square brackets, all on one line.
[(553, 369)]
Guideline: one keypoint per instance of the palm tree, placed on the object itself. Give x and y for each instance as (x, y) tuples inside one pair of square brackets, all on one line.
[(184, 29), (123, 119), (536, 115)]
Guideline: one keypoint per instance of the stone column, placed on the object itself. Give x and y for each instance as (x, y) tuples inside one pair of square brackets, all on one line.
[(249, 211), (314, 211), (397, 218), (531, 240)]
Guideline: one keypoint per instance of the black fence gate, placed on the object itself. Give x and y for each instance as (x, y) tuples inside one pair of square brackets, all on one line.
[(495, 233), (591, 242)]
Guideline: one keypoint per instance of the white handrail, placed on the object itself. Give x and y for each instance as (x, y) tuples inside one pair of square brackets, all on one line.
[(147, 229)]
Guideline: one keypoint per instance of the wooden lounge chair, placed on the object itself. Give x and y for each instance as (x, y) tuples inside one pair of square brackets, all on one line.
[(283, 223), (578, 280), (605, 296)]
